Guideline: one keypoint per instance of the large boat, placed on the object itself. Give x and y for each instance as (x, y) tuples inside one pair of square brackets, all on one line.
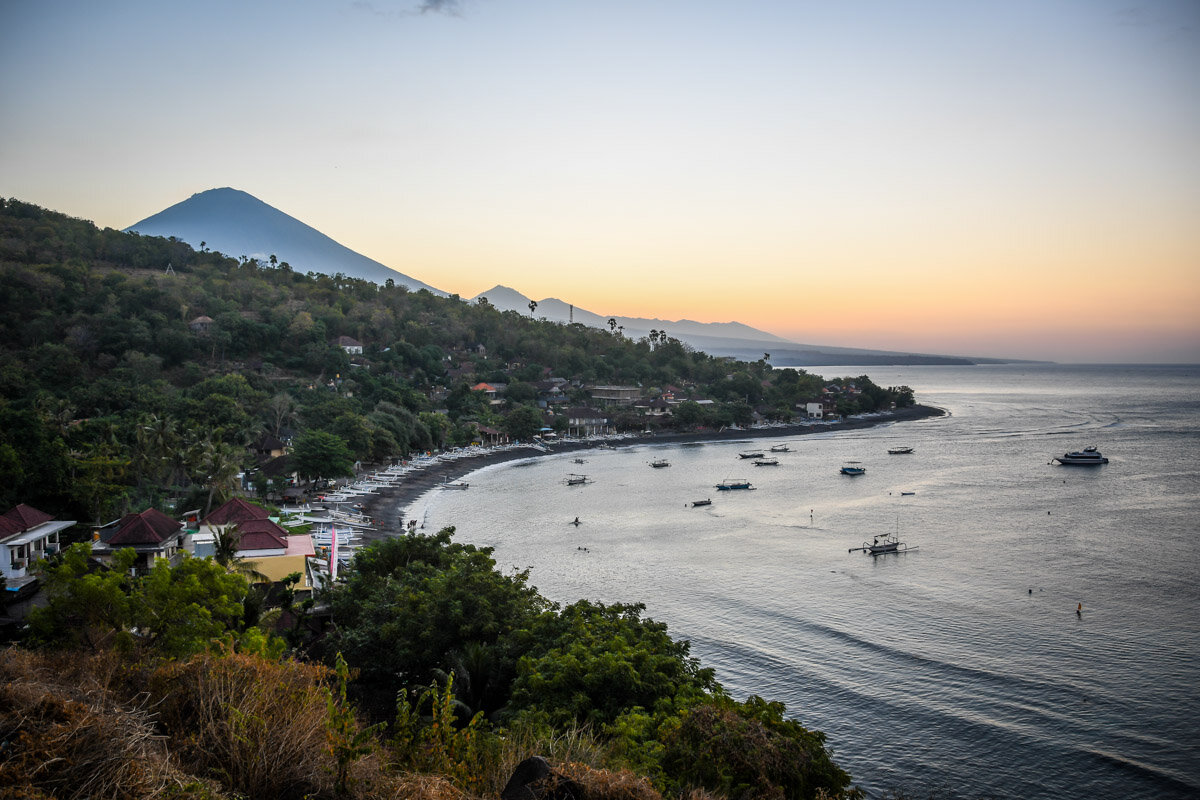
[(882, 545), (737, 483), (847, 469), (1088, 456)]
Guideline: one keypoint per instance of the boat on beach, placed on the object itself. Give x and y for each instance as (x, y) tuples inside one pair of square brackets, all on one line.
[(736, 483), (1088, 457)]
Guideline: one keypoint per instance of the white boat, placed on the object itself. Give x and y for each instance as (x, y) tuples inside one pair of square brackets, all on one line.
[(454, 485), (882, 545), (1088, 456)]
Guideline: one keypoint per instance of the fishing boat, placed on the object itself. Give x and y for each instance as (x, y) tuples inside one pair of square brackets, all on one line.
[(576, 480), (728, 485), (899, 451), (751, 454), (1088, 456), (882, 545), (704, 502), (659, 463), (780, 448), (454, 485), (850, 469), (766, 462)]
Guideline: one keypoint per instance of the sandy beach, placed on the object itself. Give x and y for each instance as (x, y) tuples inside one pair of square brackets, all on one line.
[(386, 506)]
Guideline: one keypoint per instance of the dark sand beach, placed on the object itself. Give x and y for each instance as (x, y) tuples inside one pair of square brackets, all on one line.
[(385, 507)]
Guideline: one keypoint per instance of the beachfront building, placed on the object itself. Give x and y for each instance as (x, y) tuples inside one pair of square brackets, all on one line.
[(26, 535), (615, 395), (814, 410), (583, 421), (151, 534)]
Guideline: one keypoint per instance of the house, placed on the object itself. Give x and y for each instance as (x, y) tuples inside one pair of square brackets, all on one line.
[(616, 395), (492, 390), (814, 410), (26, 535), (268, 546), (201, 325), (151, 534), (351, 346), (491, 436), (583, 421)]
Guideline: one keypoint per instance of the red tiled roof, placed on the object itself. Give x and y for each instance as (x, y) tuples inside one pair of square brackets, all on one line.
[(8, 527), (27, 517), (149, 527), (261, 534), (236, 510)]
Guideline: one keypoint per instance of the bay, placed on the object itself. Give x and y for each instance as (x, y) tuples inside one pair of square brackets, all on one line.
[(962, 666)]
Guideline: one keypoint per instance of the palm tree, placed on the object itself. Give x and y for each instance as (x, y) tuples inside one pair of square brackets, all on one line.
[(225, 552), (612, 324), (532, 307)]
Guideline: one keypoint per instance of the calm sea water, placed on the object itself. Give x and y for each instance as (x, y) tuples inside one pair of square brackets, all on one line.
[(962, 667)]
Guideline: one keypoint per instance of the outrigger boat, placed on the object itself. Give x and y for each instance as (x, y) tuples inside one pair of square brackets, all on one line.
[(848, 469), (751, 454), (659, 463), (457, 485), (727, 485), (899, 451), (882, 545), (704, 502), (780, 448), (576, 480), (766, 462)]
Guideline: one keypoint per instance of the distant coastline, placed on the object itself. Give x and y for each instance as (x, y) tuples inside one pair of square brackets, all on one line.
[(387, 505)]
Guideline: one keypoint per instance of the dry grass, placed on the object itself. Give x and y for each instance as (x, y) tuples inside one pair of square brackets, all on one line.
[(66, 737), (256, 726)]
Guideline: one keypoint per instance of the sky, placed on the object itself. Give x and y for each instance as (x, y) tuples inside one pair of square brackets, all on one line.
[(1014, 179)]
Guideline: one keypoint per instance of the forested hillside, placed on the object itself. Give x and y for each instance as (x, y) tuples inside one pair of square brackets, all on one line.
[(137, 371)]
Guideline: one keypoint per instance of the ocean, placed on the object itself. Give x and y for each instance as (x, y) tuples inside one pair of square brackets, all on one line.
[(1040, 639)]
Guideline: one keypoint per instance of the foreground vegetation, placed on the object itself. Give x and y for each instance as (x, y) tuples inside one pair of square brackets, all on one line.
[(432, 674)]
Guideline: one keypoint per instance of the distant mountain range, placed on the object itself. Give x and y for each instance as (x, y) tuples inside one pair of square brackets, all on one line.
[(238, 224)]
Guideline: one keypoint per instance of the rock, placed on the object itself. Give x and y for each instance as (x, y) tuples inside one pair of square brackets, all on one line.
[(533, 779)]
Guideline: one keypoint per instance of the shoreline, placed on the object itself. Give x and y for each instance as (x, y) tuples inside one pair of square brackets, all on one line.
[(387, 506)]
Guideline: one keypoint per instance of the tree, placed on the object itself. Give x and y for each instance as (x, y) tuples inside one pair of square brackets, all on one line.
[(532, 307), (523, 423), (318, 455)]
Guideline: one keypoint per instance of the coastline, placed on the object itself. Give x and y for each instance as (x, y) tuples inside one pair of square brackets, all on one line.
[(387, 506)]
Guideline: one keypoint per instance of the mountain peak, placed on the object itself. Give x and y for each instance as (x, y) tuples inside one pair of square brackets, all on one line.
[(237, 223)]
